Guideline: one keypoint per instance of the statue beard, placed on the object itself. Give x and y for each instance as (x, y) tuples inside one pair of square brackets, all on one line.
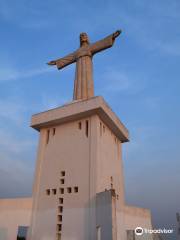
[(84, 42)]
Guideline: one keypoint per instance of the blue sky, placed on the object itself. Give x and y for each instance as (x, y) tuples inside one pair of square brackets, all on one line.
[(138, 77)]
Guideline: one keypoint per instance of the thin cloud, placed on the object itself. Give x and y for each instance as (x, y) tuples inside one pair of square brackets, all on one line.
[(7, 74)]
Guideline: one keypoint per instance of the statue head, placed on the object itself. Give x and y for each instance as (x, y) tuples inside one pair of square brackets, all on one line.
[(84, 39)]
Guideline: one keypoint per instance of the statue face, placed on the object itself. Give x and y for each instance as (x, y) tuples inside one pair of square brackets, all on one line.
[(84, 38)]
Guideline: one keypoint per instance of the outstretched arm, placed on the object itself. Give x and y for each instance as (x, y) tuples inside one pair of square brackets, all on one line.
[(104, 43), (63, 62)]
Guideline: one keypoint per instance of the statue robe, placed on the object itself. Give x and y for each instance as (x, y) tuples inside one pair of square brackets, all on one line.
[(83, 84)]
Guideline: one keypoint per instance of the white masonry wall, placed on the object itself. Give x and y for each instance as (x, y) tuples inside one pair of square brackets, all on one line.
[(110, 171), (62, 184), (14, 213), (79, 155), (90, 155)]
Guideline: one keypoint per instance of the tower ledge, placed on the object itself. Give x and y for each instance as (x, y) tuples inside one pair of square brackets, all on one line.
[(81, 109)]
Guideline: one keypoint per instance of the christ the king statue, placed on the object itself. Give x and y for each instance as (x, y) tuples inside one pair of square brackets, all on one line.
[(83, 85)]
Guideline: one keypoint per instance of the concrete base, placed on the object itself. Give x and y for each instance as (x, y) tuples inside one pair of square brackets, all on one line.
[(17, 212)]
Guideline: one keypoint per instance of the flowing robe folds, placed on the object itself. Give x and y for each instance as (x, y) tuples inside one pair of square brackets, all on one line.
[(83, 84)]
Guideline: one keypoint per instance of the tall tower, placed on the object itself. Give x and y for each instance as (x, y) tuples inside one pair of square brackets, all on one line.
[(78, 190), (79, 172)]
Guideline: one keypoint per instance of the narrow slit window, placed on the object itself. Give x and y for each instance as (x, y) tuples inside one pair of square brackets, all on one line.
[(87, 128), (76, 189), (69, 190), (62, 181), (54, 131), (61, 190), (59, 218), (104, 129), (100, 129), (47, 191), (47, 136), (60, 209), (54, 191), (80, 125), (63, 173), (61, 200)]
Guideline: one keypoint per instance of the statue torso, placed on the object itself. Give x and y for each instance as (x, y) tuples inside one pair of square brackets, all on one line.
[(83, 51)]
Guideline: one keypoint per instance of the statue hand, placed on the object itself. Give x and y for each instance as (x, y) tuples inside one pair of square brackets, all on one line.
[(116, 34), (52, 63)]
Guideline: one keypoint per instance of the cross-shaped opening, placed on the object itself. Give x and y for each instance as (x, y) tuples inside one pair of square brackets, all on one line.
[(59, 227), (60, 208), (63, 173), (47, 191), (62, 181), (69, 190), (61, 190), (58, 236), (75, 189), (59, 218), (54, 191)]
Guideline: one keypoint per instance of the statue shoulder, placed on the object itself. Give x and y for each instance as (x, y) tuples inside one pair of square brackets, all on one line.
[(83, 51)]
